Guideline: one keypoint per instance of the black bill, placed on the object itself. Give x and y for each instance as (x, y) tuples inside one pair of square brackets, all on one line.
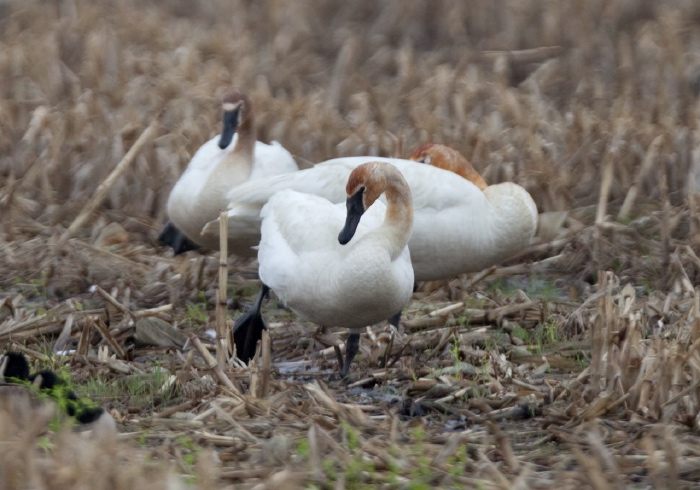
[(230, 126), (356, 209)]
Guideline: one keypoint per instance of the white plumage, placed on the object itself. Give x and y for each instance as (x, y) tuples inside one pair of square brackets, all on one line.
[(458, 227), (354, 285), (351, 285), (201, 192)]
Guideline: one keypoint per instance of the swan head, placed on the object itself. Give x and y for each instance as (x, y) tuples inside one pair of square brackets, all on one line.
[(365, 184), (447, 158), (356, 206), (236, 107)]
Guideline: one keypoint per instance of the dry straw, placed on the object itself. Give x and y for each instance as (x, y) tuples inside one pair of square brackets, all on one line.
[(573, 365)]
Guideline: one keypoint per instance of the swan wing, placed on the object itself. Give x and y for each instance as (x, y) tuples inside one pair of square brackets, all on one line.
[(327, 181), (272, 159), (479, 231)]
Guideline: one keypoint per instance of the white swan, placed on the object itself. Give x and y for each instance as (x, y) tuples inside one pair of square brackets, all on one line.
[(219, 165), (466, 226), (352, 279), (458, 226)]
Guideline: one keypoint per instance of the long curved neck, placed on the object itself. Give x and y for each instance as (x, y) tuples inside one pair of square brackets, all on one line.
[(245, 144), (470, 173), (458, 164), (238, 165), (398, 222)]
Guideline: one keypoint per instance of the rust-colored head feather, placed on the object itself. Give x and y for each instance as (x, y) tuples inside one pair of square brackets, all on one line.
[(421, 152), (234, 99), (236, 96), (371, 176), (447, 158), (357, 178)]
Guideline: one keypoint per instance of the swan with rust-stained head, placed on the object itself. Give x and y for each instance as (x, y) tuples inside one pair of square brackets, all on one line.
[(341, 265), (470, 225), (458, 227), (220, 165), (461, 224)]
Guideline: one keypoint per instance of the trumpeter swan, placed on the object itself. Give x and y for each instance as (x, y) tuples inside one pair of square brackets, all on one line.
[(219, 165), (341, 266)]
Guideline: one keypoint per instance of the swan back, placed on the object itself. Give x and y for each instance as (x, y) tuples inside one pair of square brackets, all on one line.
[(325, 179), (272, 159), (490, 223)]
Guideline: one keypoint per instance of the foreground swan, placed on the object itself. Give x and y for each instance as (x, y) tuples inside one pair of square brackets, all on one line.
[(219, 165), (458, 227), (353, 279)]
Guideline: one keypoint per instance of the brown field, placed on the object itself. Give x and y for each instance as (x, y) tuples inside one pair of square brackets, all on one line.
[(573, 365)]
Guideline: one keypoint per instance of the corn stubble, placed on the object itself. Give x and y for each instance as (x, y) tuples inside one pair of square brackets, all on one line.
[(591, 106)]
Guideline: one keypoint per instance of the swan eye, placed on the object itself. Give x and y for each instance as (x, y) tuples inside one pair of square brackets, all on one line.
[(425, 160)]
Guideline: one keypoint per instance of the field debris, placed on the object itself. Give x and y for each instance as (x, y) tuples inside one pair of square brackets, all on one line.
[(575, 364)]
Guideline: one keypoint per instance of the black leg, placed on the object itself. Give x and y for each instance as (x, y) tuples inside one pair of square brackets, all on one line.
[(248, 328), (339, 355), (351, 347), (170, 235), (394, 320)]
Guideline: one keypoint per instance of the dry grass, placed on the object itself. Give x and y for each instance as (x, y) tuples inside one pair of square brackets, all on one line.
[(544, 372)]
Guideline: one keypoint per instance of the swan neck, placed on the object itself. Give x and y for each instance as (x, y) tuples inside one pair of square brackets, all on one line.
[(238, 165), (472, 175), (398, 221), (245, 144)]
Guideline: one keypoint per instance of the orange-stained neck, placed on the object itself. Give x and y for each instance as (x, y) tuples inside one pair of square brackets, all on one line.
[(383, 178), (447, 158), (246, 128)]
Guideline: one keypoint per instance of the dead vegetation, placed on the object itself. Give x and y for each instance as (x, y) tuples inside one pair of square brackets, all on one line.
[(575, 365)]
